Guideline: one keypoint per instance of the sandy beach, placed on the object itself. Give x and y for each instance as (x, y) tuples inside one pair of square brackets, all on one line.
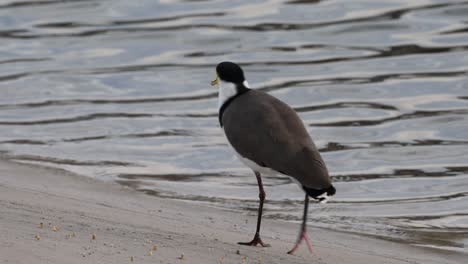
[(88, 221)]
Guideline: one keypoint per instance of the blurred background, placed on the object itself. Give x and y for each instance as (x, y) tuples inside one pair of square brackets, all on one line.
[(119, 91)]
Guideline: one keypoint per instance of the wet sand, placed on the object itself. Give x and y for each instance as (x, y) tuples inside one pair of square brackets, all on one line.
[(88, 221)]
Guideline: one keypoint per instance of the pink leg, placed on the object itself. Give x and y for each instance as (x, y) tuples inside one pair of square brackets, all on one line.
[(309, 245), (302, 236), (295, 247), (303, 233)]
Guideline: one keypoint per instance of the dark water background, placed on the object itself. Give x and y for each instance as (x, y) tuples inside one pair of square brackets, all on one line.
[(119, 90)]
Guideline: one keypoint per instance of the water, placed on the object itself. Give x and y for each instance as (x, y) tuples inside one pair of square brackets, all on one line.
[(119, 90)]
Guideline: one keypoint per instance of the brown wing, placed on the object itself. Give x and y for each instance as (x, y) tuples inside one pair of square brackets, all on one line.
[(270, 133)]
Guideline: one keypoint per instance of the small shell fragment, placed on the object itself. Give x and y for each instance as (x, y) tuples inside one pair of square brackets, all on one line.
[(38, 237), (154, 248), (182, 256), (41, 225), (151, 253), (55, 229)]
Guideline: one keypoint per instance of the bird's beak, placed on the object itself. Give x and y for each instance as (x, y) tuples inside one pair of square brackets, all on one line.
[(215, 81)]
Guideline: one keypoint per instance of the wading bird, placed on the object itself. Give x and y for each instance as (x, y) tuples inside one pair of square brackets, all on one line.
[(270, 138)]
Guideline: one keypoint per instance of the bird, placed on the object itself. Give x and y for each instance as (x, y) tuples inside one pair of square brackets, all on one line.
[(270, 138)]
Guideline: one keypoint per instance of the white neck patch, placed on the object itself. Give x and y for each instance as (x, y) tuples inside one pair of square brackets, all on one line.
[(226, 91)]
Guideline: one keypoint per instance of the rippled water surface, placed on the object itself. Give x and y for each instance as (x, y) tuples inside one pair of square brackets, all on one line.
[(119, 90)]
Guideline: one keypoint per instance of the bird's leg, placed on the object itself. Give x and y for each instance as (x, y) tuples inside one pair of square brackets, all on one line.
[(257, 240), (303, 233)]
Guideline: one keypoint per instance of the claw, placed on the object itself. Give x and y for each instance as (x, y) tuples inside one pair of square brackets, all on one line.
[(255, 242), (303, 236)]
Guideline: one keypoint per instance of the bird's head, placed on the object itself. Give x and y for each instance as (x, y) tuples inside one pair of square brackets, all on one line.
[(229, 72)]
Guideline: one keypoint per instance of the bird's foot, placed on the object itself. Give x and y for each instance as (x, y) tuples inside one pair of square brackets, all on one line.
[(302, 236), (255, 242)]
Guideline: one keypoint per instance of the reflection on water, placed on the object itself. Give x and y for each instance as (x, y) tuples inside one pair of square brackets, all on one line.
[(119, 90)]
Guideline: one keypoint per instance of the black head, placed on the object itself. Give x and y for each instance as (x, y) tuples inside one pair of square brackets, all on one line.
[(230, 72)]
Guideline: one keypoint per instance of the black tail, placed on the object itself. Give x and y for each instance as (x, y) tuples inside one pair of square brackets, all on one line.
[(330, 191)]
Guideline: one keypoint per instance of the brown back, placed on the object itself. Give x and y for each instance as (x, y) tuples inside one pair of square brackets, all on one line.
[(270, 133)]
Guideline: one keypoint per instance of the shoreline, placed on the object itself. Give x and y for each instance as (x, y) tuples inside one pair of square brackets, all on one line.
[(127, 224)]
